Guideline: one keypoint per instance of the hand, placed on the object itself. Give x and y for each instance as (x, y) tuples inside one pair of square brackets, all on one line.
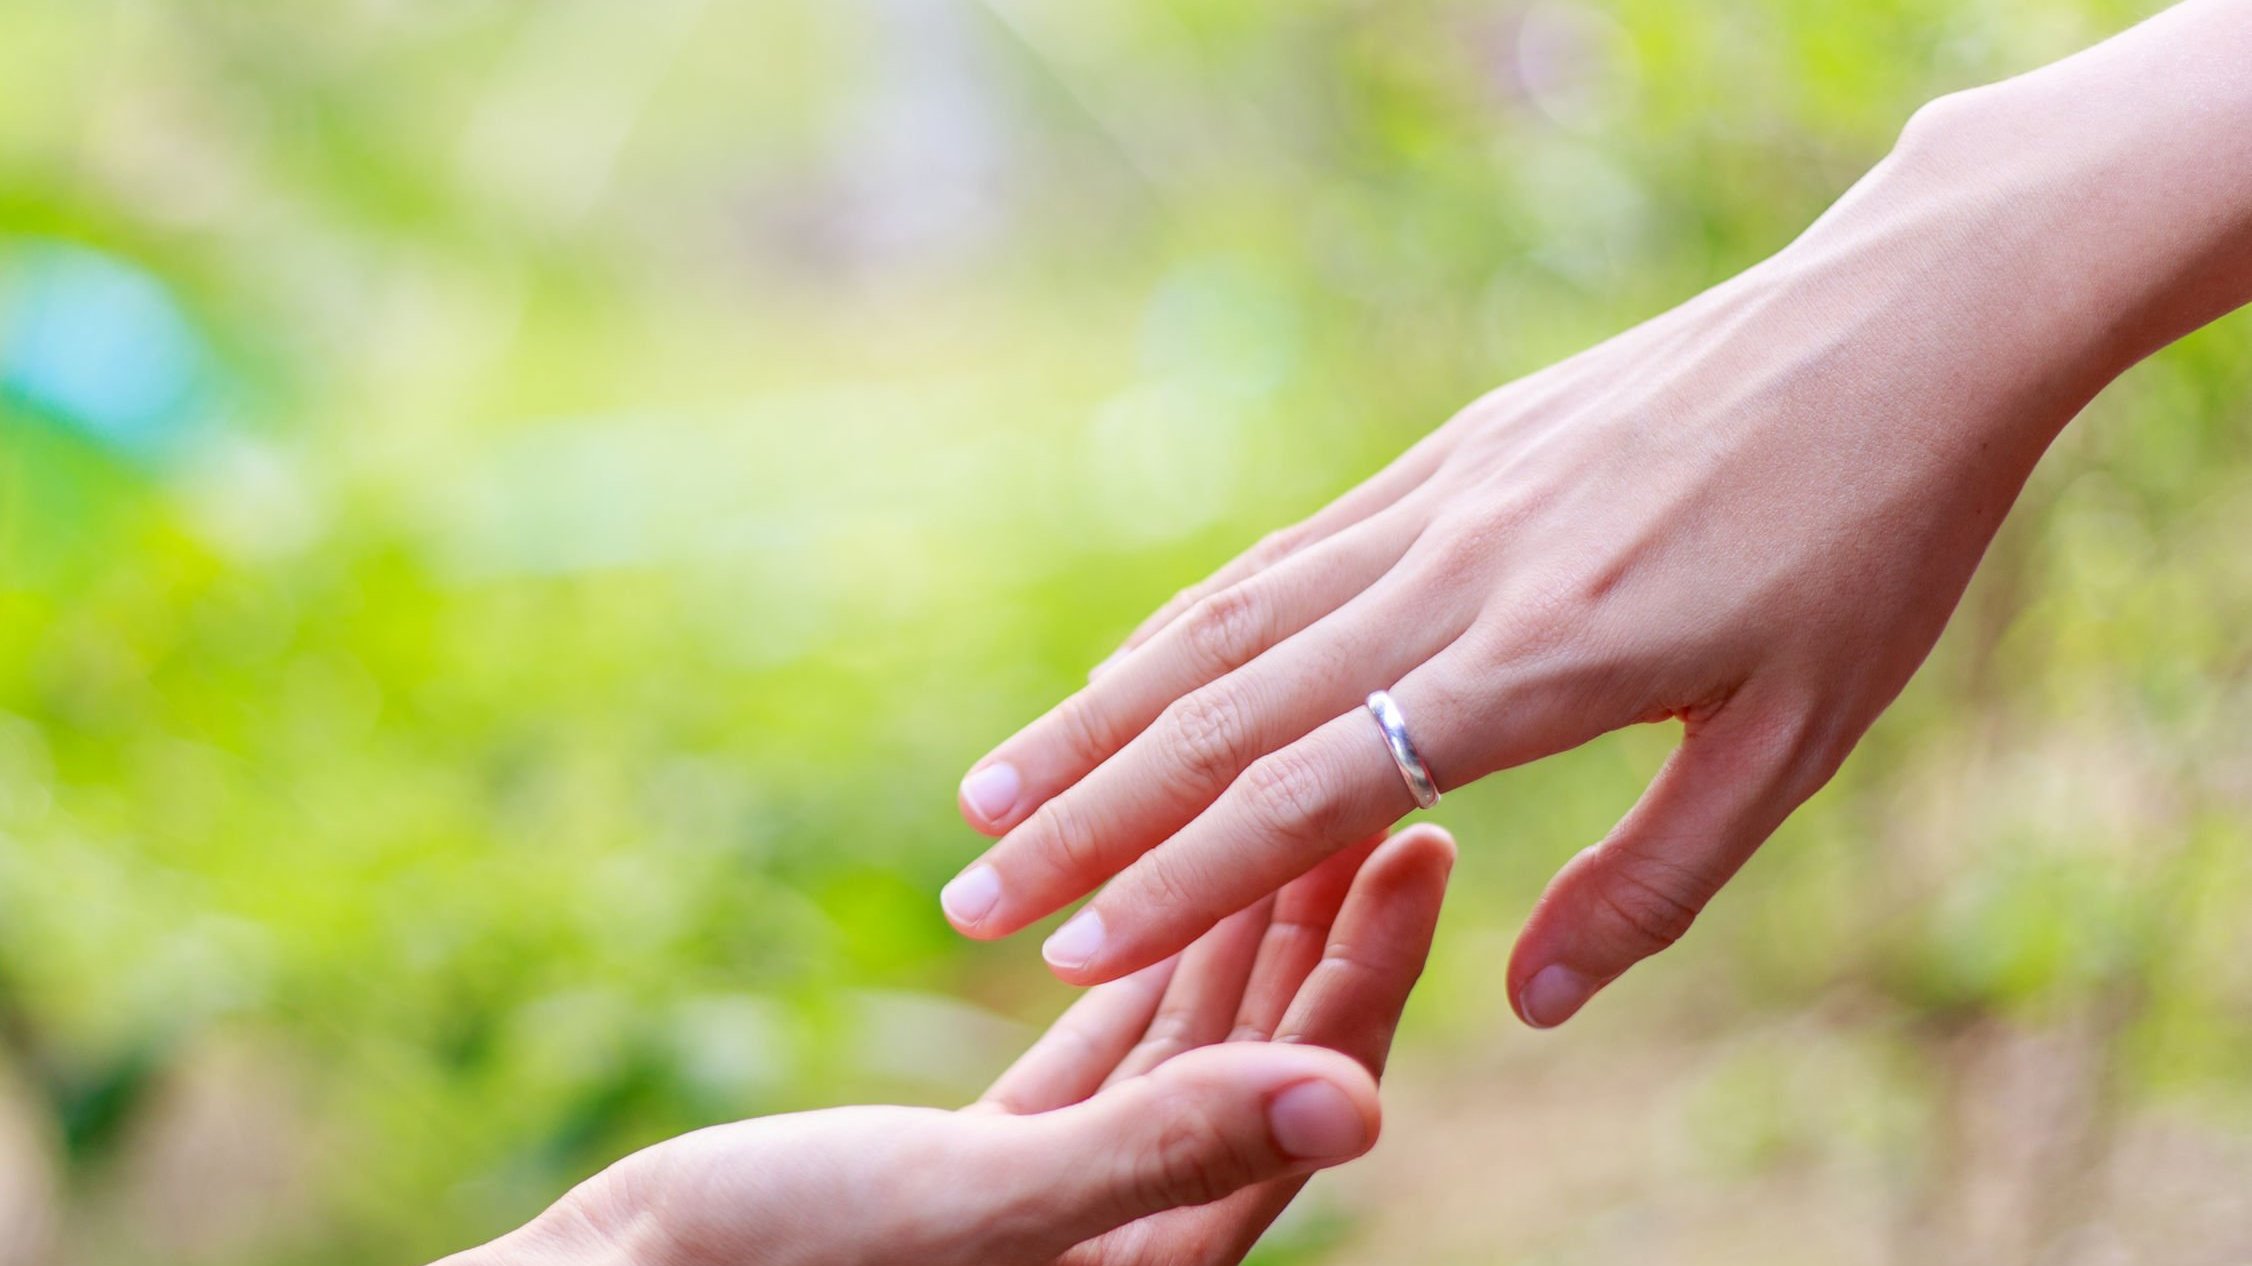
[(1753, 514), (1165, 1119)]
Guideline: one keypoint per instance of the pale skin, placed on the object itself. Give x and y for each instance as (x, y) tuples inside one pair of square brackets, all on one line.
[(1164, 1120), (1754, 514)]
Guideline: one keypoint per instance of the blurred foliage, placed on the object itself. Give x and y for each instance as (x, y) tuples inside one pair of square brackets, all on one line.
[(513, 518)]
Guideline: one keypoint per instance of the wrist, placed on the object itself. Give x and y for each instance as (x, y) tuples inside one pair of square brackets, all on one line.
[(2030, 240), (2093, 210), (1938, 268)]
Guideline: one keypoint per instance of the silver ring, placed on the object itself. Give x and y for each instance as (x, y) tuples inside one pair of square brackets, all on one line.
[(1396, 740)]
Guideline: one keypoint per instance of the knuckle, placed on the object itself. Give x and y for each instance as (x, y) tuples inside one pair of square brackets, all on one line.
[(1278, 545), (1068, 838), (1208, 737), (1164, 887), (1191, 1160), (1818, 745), (1462, 548), (1447, 559), (1522, 635), (1182, 599), (1226, 630), (1795, 751), (1285, 794), (1536, 617), (1088, 730), (1650, 906)]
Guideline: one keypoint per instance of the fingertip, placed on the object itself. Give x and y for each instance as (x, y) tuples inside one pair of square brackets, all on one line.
[(1087, 976), (1338, 1112), (990, 797), (1418, 858), (1096, 946), (1071, 950), (1319, 1122), (1336, 1121), (1547, 936), (970, 898), (1431, 842), (1206, 1123), (990, 830), (1555, 994)]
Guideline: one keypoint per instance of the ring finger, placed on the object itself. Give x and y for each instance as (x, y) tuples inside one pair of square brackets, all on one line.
[(1301, 803)]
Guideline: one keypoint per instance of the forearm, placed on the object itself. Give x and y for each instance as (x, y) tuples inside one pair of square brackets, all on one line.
[(2030, 240), (2136, 155)]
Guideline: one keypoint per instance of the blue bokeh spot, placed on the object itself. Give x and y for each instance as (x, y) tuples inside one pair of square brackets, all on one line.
[(100, 346)]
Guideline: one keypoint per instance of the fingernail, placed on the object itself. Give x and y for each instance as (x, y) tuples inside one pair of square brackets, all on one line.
[(1075, 943), (1315, 1121), (993, 790), (1553, 994), (972, 895)]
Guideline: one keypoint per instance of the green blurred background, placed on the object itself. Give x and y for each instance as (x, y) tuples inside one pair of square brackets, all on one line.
[(514, 517)]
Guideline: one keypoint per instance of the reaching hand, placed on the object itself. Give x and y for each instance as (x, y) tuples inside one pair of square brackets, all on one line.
[(1754, 513), (1164, 1120)]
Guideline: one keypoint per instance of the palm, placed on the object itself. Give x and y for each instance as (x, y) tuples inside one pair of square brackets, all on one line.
[(1329, 960)]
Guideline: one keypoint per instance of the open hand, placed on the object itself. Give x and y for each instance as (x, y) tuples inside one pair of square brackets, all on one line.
[(1754, 514), (1164, 1120)]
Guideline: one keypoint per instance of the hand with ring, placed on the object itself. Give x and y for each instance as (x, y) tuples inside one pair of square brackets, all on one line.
[(1753, 514)]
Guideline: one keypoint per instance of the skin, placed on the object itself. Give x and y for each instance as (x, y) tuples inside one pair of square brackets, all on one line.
[(1753, 514), (1164, 1120)]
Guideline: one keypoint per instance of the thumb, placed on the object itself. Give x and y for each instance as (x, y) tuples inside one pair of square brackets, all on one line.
[(1206, 1123), (1716, 801)]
